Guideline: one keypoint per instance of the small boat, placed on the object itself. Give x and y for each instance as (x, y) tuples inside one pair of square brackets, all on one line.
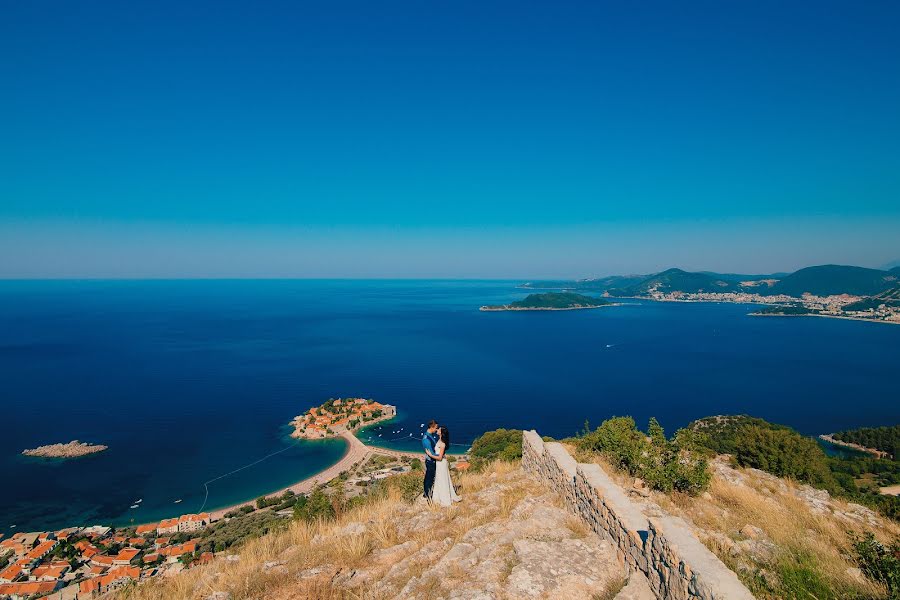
[(12, 526), (138, 501), (422, 425), (379, 435), (610, 345), (133, 506), (178, 501)]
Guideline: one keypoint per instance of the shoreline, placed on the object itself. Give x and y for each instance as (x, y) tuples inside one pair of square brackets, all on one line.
[(355, 452), (753, 314), (829, 437), (861, 319)]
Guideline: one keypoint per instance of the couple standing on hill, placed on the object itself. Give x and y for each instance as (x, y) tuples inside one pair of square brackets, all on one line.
[(438, 487)]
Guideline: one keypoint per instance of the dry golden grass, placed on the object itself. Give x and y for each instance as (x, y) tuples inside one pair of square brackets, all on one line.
[(305, 545), (801, 535)]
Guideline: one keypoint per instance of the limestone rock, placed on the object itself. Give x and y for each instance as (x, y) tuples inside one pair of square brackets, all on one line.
[(636, 588), (353, 529), (561, 569), (323, 571), (392, 555), (274, 566)]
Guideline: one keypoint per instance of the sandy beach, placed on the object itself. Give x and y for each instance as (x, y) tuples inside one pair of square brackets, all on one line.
[(356, 452)]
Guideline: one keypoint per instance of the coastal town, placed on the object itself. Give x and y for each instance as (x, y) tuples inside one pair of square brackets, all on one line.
[(78, 563), (835, 306), (339, 415)]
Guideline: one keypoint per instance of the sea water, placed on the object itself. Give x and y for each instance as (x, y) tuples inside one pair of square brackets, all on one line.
[(187, 381)]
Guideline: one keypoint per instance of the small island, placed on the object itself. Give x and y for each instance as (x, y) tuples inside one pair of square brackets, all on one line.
[(788, 310), (73, 449), (340, 415), (552, 301)]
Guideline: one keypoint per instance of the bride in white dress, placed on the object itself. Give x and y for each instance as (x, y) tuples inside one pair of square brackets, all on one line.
[(443, 492)]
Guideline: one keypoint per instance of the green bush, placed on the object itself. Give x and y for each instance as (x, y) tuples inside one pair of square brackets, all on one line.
[(886, 439), (316, 506), (785, 453), (666, 465), (501, 444), (879, 563), (800, 578), (409, 485), (225, 534)]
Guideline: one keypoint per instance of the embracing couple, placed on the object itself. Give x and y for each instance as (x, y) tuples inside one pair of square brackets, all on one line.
[(438, 487)]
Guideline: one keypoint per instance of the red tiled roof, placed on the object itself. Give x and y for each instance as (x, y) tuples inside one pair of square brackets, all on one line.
[(41, 550), (127, 554), (142, 529), (27, 588), (11, 572)]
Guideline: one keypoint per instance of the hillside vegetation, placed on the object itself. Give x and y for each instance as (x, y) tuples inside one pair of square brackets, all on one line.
[(822, 280), (890, 297), (780, 450), (552, 300), (886, 439), (512, 538), (764, 511), (677, 280)]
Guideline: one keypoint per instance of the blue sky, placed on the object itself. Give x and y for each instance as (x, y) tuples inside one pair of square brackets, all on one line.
[(465, 139)]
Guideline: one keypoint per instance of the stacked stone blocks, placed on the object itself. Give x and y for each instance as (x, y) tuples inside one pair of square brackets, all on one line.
[(677, 565)]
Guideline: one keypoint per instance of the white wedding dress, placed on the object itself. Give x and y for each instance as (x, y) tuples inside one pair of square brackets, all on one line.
[(443, 492)]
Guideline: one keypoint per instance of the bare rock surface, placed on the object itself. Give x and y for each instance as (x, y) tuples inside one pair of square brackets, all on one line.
[(637, 588), (509, 539)]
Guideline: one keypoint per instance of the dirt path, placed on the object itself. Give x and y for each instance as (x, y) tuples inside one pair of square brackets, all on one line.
[(891, 490)]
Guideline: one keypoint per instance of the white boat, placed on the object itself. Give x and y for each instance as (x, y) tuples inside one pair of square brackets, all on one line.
[(177, 501), (138, 501), (133, 506)]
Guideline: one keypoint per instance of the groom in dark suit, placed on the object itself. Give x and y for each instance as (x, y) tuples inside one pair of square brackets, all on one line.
[(429, 439)]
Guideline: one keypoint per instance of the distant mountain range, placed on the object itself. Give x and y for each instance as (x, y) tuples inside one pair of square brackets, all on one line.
[(823, 280)]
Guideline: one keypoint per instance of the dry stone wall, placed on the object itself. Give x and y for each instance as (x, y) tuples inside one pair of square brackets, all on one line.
[(677, 565)]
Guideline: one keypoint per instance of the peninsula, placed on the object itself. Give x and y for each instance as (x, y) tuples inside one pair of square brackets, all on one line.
[(552, 301), (73, 449), (339, 415)]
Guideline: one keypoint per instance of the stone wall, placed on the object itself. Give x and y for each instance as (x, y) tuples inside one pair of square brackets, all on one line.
[(677, 565)]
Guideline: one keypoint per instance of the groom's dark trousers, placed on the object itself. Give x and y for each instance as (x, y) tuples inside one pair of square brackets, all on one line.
[(430, 466)]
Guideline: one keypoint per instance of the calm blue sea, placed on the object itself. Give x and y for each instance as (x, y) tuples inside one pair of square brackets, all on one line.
[(186, 381)]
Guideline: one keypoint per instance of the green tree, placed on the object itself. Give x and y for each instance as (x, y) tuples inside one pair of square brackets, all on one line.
[(879, 562), (502, 444), (785, 453), (316, 506)]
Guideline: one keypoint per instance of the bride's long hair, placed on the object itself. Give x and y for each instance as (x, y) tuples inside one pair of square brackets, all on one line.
[(445, 436)]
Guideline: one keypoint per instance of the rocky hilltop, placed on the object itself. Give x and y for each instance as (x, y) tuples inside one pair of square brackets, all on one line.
[(553, 526), (73, 449)]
